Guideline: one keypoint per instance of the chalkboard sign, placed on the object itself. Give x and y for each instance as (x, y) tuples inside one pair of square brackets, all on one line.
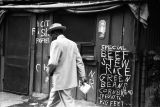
[(115, 76)]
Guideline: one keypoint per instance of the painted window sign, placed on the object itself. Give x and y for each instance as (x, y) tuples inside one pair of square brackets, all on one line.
[(42, 28), (115, 76)]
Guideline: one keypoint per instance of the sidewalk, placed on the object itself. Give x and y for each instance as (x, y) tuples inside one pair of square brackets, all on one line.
[(14, 100)]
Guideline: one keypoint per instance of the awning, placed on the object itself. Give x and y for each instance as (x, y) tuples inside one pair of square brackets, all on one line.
[(54, 1), (140, 11), (47, 5)]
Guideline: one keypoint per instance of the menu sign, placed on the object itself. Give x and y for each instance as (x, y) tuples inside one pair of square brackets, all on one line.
[(115, 76)]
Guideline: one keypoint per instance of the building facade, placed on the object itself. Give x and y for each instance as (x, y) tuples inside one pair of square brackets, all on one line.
[(112, 38)]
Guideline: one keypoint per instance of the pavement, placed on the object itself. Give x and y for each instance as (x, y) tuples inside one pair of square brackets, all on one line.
[(36, 100)]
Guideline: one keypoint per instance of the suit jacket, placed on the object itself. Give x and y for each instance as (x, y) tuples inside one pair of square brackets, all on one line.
[(64, 54)]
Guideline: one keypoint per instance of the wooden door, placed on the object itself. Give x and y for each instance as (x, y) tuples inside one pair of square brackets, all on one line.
[(17, 54), (81, 28)]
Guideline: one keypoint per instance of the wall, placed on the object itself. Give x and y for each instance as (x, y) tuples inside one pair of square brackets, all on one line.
[(17, 56), (42, 42), (149, 49), (39, 44), (115, 54), (119, 33)]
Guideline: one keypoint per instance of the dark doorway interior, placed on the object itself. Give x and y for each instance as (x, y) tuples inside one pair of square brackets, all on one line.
[(149, 52), (16, 62)]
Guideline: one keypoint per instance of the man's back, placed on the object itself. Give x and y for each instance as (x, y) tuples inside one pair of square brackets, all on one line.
[(62, 66), (67, 55)]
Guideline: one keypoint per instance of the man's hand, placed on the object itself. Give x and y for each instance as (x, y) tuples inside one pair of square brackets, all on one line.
[(50, 69), (84, 79)]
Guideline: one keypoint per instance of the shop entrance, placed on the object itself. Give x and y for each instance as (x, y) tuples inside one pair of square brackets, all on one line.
[(17, 54)]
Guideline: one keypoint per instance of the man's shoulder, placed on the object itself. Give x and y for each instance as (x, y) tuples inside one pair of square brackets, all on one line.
[(54, 42), (71, 41), (63, 41)]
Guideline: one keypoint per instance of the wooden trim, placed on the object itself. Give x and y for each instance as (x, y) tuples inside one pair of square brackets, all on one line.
[(32, 53), (1, 57), (45, 54)]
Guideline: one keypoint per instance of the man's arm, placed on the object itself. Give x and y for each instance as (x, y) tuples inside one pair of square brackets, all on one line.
[(55, 52), (50, 69), (80, 66)]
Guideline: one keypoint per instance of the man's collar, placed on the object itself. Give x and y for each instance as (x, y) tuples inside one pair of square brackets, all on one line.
[(61, 36)]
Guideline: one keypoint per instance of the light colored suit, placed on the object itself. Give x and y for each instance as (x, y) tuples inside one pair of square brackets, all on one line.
[(65, 55)]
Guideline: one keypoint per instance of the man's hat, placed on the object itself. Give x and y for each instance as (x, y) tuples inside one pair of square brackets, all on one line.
[(56, 26)]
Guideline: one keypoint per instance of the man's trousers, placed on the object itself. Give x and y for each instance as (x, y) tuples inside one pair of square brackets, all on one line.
[(61, 98)]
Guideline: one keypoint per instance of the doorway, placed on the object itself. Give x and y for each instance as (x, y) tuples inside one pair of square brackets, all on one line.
[(17, 54)]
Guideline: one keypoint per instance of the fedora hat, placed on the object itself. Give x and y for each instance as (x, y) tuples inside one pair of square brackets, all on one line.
[(56, 26)]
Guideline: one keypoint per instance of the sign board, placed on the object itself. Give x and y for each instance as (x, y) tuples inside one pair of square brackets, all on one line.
[(115, 75), (42, 44)]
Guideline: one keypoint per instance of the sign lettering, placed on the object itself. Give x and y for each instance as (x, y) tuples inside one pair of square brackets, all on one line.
[(115, 76)]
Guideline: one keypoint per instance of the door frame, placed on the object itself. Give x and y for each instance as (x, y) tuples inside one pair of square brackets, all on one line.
[(31, 47), (1, 54)]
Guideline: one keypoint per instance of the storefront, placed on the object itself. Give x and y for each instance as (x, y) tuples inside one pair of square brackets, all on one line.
[(108, 37)]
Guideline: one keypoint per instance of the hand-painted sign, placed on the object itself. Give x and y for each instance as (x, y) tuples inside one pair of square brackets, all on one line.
[(42, 40), (115, 76), (42, 28)]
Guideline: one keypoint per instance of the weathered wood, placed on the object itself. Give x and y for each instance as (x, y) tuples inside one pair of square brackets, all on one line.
[(32, 45), (17, 59), (1, 58), (45, 84), (136, 65), (104, 16), (106, 40), (38, 60), (128, 42), (116, 27), (92, 79), (120, 30), (128, 37), (45, 55)]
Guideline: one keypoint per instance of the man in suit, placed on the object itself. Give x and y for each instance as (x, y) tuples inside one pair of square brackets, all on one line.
[(65, 60)]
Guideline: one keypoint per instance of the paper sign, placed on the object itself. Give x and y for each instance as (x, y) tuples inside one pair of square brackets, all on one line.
[(85, 88)]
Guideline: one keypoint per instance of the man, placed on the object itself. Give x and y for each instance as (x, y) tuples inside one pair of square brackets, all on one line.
[(65, 60)]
